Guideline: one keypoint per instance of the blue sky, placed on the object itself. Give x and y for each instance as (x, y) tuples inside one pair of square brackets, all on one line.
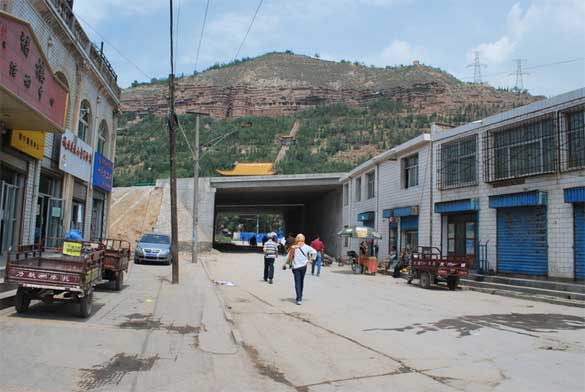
[(441, 33)]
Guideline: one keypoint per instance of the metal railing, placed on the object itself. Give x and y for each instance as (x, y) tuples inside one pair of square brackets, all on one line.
[(95, 55)]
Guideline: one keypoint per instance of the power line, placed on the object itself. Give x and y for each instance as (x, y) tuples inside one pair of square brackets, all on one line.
[(248, 31), (113, 47), (201, 35), (531, 67)]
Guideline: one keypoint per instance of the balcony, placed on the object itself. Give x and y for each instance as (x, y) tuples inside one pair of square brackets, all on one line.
[(96, 56)]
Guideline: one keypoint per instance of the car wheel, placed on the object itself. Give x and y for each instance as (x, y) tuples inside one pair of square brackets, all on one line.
[(136, 261)]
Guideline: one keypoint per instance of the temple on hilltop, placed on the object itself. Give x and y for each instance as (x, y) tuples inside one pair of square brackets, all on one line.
[(249, 169)]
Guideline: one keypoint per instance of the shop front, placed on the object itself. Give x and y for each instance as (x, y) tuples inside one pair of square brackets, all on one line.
[(522, 242), (32, 100), (408, 225), (76, 158), (459, 228), (103, 170)]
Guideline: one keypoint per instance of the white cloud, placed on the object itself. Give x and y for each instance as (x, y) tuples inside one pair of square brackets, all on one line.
[(398, 52), (541, 20), (96, 11)]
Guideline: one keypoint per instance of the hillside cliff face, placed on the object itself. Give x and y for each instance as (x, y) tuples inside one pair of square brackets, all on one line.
[(282, 84)]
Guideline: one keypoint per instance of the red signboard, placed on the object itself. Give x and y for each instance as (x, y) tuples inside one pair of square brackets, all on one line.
[(25, 72)]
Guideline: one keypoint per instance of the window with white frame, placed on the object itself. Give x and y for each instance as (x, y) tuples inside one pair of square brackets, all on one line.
[(410, 171), (371, 178), (84, 121), (358, 189), (458, 163), (102, 137)]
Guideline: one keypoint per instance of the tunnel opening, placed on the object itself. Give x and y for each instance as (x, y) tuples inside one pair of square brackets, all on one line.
[(308, 204)]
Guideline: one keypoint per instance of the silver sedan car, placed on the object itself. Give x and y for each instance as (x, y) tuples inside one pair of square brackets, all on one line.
[(153, 248)]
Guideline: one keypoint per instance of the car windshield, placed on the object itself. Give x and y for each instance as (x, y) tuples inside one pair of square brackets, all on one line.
[(155, 239)]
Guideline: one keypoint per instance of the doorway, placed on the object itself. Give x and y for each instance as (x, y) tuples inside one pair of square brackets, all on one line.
[(8, 216), (461, 236)]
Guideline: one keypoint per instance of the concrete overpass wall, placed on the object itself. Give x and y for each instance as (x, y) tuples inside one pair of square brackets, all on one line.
[(324, 217), (185, 211)]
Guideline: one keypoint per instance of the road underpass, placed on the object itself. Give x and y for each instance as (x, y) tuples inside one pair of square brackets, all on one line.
[(309, 203)]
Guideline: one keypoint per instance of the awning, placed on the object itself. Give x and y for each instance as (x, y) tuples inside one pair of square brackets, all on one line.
[(249, 169), (457, 206), (366, 216), (388, 213), (31, 96), (523, 199), (406, 211), (575, 195)]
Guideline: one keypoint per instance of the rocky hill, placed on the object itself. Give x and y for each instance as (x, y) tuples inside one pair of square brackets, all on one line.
[(347, 114), (279, 84)]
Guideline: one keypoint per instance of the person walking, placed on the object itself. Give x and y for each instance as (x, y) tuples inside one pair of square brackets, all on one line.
[(319, 246), (270, 253), (299, 255)]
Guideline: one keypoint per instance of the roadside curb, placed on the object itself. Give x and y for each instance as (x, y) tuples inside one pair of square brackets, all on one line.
[(236, 336), (518, 295)]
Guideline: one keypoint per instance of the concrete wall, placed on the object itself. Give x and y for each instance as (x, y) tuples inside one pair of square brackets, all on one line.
[(324, 217), (185, 211)]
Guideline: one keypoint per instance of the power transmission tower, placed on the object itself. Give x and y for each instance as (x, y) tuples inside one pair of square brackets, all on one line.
[(519, 86), (477, 66)]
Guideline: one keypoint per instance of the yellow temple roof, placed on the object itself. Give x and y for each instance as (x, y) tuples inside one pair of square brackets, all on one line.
[(249, 169)]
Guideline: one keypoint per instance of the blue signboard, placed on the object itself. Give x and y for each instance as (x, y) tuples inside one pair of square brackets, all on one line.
[(103, 172)]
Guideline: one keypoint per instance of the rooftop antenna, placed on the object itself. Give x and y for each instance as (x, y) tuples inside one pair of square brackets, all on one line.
[(519, 86), (477, 66)]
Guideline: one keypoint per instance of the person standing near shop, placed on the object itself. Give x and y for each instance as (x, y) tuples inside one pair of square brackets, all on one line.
[(299, 255), (270, 253), (319, 246)]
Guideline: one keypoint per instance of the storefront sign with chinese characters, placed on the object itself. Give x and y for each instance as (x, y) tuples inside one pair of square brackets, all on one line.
[(26, 77), (103, 170), (30, 142), (76, 156)]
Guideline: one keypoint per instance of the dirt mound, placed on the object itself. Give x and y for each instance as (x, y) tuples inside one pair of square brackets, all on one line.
[(134, 211)]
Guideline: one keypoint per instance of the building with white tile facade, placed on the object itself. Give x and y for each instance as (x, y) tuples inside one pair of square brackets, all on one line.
[(391, 193), (507, 191), (68, 185), (515, 184)]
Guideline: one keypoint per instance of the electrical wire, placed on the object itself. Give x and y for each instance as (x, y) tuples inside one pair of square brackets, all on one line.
[(177, 31), (248, 31), (186, 139), (113, 47), (201, 35), (507, 73)]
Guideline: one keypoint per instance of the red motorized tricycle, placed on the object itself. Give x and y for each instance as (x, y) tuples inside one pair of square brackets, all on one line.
[(430, 266)]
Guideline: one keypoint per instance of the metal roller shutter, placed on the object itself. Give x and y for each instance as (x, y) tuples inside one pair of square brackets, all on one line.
[(522, 243), (579, 210)]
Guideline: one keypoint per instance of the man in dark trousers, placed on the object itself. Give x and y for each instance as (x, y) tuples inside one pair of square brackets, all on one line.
[(319, 246), (270, 252)]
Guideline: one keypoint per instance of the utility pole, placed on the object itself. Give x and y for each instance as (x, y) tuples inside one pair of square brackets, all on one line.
[(195, 210), (172, 123), (477, 66), (519, 86)]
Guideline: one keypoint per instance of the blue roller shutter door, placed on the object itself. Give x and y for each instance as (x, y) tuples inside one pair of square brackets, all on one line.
[(522, 241), (579, 210)]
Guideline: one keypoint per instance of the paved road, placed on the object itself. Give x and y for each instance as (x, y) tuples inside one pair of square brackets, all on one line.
[(375, 333), (152, 336)]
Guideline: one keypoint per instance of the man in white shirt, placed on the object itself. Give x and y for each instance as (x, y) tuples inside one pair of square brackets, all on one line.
[(270, 252)]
